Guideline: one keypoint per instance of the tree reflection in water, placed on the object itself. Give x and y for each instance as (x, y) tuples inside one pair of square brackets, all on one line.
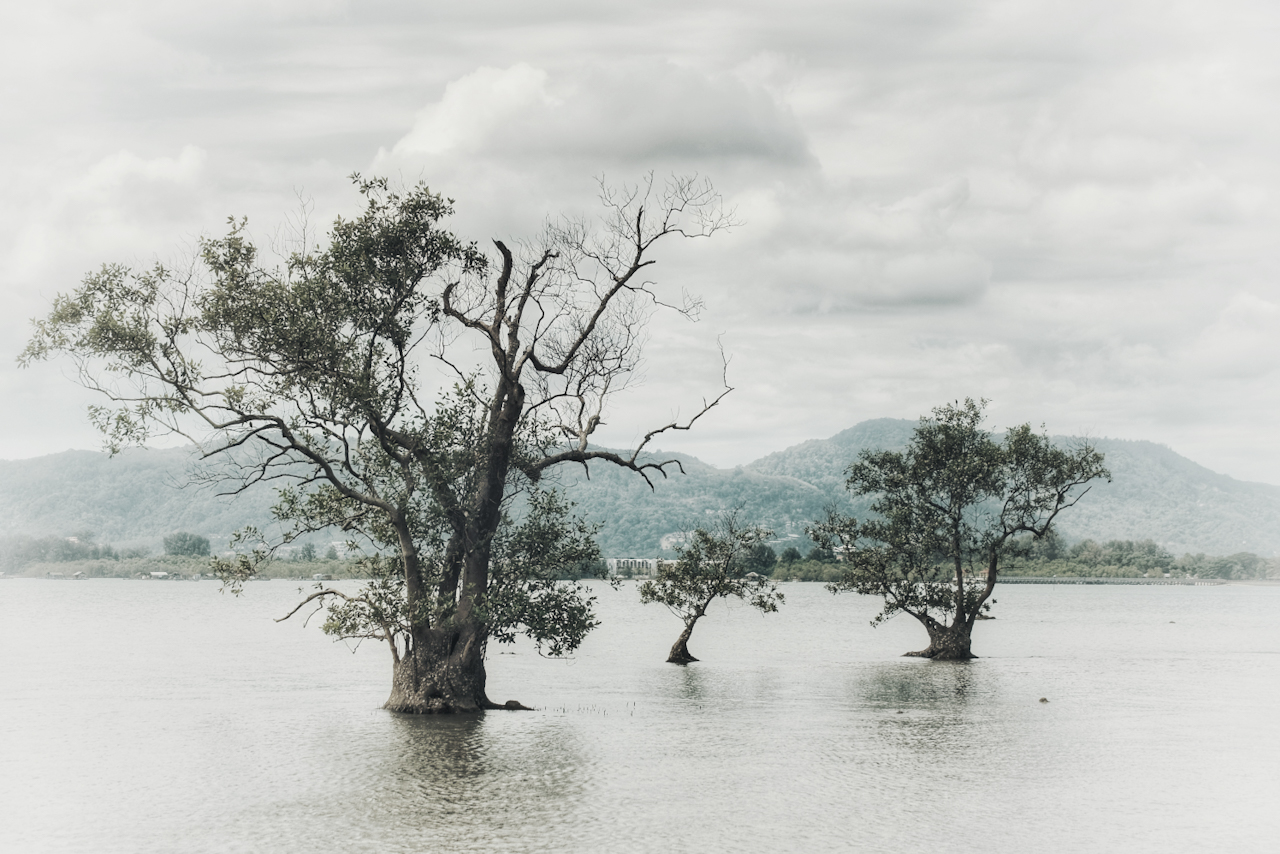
[(447, 781)]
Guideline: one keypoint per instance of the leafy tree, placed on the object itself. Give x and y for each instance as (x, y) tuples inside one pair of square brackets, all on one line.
[(821, 553), (597, 568), (789, 555), (1088, 552), (1119, 558), (307, 552), (183, 543), (525, 595), (332, 553), (1047, 547), (707, 570), (307, 373), (1149, 557), (1238, 566), (761, 559), (949, 508), (19, 551), (808, 570)]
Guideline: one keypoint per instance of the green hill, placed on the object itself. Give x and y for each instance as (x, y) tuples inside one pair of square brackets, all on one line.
[(1155, 493), (135, 498), (138, 497)]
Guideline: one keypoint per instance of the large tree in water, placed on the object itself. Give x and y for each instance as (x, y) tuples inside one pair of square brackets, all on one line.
[(310, 373), (947, 509)]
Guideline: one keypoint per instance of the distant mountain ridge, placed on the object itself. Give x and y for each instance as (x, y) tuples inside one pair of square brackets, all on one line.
[(1155, 493), (137, 497)]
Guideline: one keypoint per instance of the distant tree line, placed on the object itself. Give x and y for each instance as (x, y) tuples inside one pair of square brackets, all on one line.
[(19, 551), (1048, 556), (186, 544)]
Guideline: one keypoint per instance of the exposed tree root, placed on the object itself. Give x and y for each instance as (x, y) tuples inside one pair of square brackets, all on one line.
[(509, 705)]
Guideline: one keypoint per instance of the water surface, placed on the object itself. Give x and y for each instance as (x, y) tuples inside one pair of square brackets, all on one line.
[(163, 716)]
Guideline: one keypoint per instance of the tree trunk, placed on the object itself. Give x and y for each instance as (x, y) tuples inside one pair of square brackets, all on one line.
[(680, 650), (442, 674), (947, 643)]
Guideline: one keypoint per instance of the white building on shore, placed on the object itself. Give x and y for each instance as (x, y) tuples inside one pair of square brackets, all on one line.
[(630, 566), (635, 565)]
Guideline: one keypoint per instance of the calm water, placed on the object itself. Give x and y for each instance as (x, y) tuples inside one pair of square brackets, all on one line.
[(158, 716)]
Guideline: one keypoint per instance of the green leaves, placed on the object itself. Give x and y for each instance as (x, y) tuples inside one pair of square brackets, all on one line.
[(524, 594), (186, 543), (948, 508), (303, 372), (709, 567)]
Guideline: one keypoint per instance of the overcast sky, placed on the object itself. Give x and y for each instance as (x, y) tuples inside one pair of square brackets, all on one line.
[(1069, 208)]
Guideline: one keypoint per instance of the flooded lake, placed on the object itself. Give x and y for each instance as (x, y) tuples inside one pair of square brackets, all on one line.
[(163, 716)]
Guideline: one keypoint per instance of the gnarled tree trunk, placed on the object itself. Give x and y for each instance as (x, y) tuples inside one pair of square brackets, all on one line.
[(680, 649), (443, 673), (947, 643)]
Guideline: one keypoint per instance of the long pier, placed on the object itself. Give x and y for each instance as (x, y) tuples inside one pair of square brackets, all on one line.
[(1066, 579)]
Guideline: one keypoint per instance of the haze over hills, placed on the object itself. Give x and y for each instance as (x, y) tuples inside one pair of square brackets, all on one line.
[(138, 497), (1154, 493)]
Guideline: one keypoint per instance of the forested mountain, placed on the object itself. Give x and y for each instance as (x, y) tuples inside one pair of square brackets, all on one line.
[(1155, 493), (639, 522), (137, 498)]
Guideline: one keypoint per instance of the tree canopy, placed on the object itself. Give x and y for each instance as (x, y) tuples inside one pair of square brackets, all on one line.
[(714, 563), (790, 554), (185, 543), (308, 373), (948, 508)]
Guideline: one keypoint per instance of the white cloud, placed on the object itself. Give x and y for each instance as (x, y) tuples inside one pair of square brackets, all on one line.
[(629, 112), (1068, 208), (1242, 343), (120, 168), (944, 276), (474, 107), (824, 249), (114, 206)]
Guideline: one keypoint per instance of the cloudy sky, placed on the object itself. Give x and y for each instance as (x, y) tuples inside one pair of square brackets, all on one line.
[(1069, 208)]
